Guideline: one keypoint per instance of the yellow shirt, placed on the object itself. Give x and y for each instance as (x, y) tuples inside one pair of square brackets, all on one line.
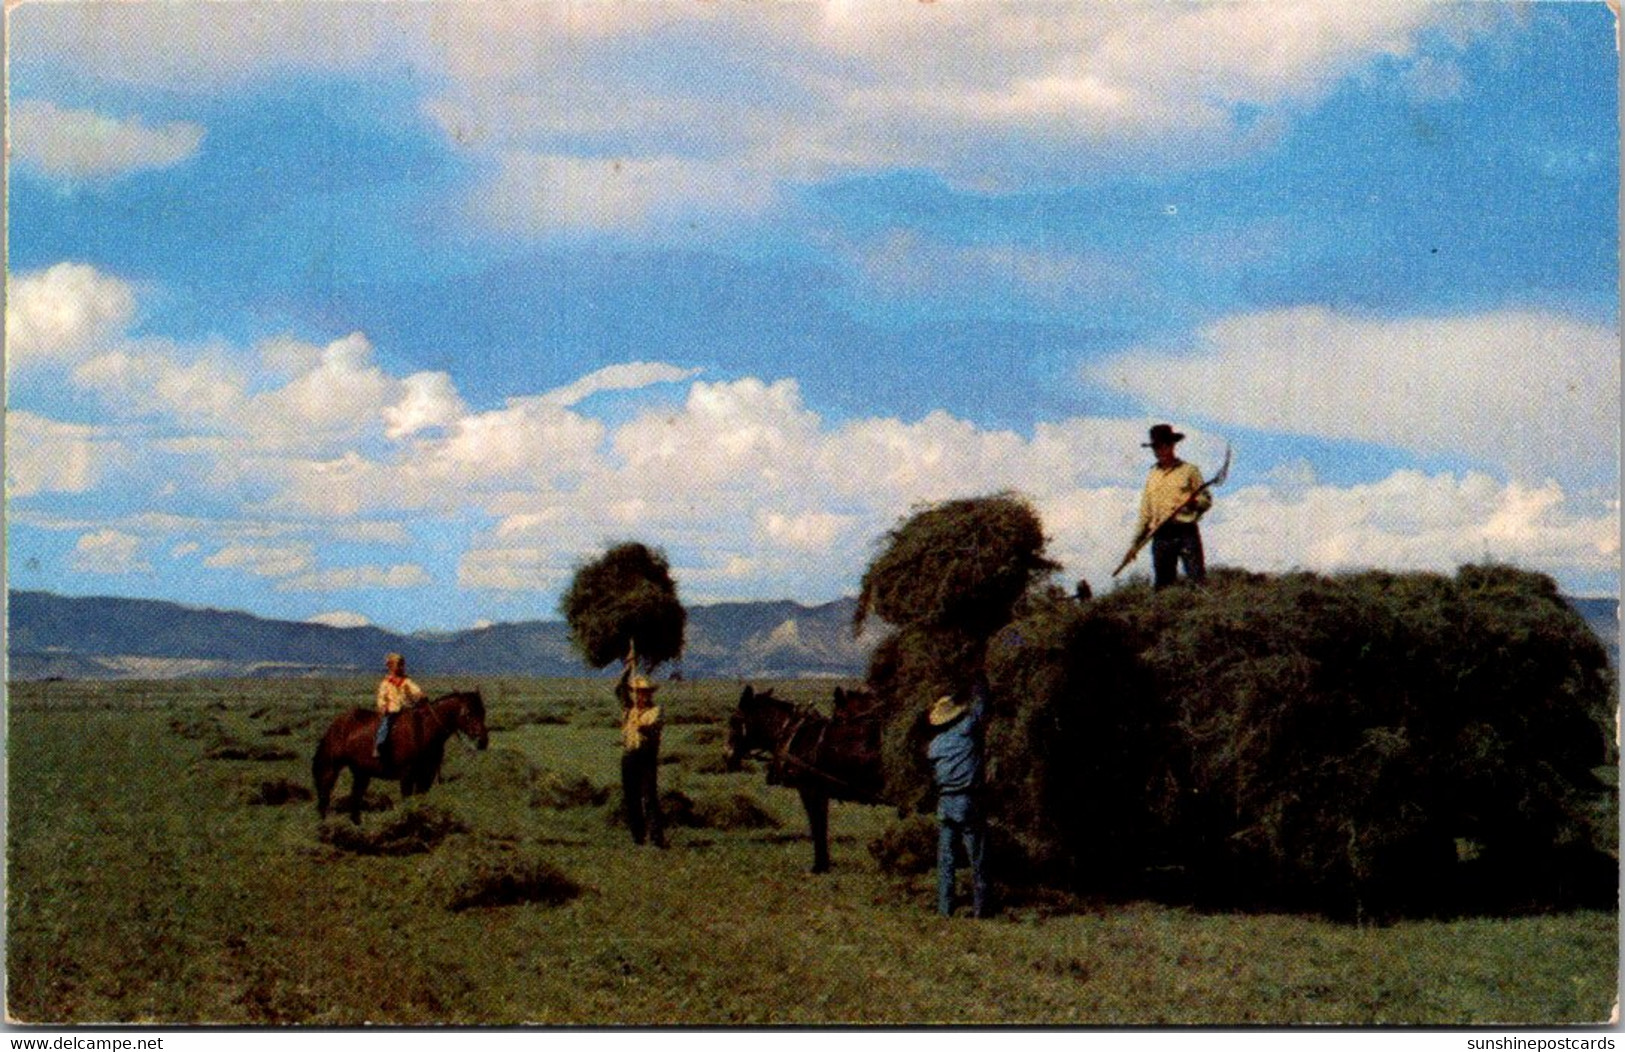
[(1168, 488), (640, 725), (393, 697)]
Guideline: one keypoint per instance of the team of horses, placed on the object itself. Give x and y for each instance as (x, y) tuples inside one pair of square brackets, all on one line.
[(822, 757)]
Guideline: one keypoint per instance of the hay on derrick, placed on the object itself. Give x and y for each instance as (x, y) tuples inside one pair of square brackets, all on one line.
[(625, 597), (959, 565)]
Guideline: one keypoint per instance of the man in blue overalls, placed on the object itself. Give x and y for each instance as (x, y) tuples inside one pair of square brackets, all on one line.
[(958, 722)]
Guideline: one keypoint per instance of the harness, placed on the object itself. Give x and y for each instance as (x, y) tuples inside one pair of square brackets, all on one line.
[(781, 760)]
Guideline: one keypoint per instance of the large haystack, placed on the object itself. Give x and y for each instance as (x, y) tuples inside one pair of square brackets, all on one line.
[(624, 596), (1362, 744)]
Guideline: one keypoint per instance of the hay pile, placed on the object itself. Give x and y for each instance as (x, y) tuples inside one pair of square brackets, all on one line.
[(416, 829), (958, 566), (625, 597), (507, 877), (1366, 744)]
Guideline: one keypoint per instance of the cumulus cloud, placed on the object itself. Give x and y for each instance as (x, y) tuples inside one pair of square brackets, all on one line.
[(427, 400), (67, 312), (108, 552), (1535, 393), (754, 493), (83, 144)]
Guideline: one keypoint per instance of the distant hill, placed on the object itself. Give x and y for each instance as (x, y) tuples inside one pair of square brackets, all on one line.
[(108, 638)]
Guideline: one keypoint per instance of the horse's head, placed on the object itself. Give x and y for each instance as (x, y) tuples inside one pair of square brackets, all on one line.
[(742, 733), (471, 718), (853, 704)]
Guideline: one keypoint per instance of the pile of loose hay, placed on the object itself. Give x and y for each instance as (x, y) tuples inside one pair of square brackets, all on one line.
[(275, 793), (509, 878), (625, 596), (416, 829)]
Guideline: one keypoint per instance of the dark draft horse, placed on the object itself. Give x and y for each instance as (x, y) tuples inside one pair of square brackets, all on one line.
[(416, 746), (821, 757)]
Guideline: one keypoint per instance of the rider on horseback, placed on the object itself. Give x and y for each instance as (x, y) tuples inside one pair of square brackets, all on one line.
[(396, 694)]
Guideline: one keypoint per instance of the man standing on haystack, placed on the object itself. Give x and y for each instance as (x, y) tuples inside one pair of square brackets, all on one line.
[(1175, 498)]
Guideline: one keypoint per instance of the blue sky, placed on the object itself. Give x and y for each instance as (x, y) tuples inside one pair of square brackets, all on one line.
[(398, 312)]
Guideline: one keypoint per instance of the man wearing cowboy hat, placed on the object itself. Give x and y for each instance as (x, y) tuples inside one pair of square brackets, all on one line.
[(1173, 496), (957, 723), (640, 754)]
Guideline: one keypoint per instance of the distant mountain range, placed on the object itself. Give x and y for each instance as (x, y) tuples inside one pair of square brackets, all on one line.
[(108, 638)]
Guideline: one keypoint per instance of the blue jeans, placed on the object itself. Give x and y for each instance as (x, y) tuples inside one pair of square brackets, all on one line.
[(1175, 543), (383, 733), (960, 820)]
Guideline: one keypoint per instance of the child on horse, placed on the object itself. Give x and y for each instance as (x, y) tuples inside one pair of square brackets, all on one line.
[(396, 694)]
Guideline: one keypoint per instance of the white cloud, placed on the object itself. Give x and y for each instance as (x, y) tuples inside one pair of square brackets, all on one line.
[(353, 578), (551, 192), (108, 552), (581, 134), (264, 560), (341, 397), (808, 531), (756, 494), (83, 144), (67, 312), (47, 456), (340, 619), (626, 376), (140, 383), (428, 400), (1535, 393), (521, 569)]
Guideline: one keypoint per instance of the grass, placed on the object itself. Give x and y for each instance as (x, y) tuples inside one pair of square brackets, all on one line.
[(143, 886)]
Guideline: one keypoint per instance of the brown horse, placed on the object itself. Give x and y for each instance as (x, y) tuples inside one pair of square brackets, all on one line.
[(821, 758), (412, 753)]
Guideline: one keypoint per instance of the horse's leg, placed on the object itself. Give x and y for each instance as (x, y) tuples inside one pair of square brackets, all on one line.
[(325, 773), (358, 780), (816, 801)]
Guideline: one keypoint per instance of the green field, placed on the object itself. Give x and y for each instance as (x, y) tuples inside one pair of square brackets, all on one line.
[(152, 878)]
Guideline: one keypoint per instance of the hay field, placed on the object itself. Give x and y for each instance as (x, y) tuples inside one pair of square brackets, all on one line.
[(164, 866)]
